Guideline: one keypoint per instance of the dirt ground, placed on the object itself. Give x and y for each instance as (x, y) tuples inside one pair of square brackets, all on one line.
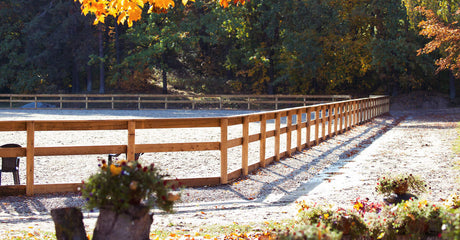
[(420, 142)]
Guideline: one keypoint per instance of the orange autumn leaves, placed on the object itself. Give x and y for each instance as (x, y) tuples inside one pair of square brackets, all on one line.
[(444, 36), (129, 11)]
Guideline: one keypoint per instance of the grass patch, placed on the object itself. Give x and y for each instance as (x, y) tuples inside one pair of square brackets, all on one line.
[(28, 235), (231, 231)]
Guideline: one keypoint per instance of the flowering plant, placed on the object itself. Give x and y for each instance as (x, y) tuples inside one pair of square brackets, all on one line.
[(364, 206), (122, 184), (347, 221), (304, 231), (419, 218), (453, 201), (400, 184)]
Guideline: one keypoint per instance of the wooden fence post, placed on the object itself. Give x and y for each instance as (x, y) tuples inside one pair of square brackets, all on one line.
[(245, 148), (193, 102), (263, 137), (359, 109), (288, 133), (347, 115), (363, 111), (355, 113), (323, 122), (223, 150), (336, 117), (30, 154), (369, 109), (277, 135), (131, 148), (308, 123), (139, 103), (299, 130), (341, 116), (329, 120), (373, 107), (317, 125)]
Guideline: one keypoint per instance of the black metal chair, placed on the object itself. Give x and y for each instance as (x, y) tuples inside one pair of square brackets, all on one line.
[(10, 164)]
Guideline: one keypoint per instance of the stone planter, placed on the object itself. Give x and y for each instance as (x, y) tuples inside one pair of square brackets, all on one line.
[(133, 224)]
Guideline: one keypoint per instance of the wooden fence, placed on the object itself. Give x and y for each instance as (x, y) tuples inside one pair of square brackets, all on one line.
[(313, 121), (151, 101)]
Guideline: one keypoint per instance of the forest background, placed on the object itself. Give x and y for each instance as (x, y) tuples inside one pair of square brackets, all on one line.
[(357, 47)]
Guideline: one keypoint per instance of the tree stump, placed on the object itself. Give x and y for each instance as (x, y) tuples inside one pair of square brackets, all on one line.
[(132, 224), (68, 223)]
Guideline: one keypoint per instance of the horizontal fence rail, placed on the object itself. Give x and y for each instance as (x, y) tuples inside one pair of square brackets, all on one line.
[(156, 101), (316, 123)]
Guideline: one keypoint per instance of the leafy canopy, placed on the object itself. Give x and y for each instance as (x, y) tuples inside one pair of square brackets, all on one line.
[(444, 36), (130, 11)]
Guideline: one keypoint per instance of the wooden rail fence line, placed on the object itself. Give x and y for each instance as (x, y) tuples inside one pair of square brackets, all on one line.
[(156, 101), (336, 117)]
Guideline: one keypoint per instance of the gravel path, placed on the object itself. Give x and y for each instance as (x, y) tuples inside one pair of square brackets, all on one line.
[(337, 171)]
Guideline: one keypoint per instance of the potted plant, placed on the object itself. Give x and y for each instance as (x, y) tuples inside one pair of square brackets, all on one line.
[(124, 192), (397, 187)]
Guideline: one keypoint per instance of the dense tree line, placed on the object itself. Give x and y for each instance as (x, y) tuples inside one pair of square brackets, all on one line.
[(261, 47)]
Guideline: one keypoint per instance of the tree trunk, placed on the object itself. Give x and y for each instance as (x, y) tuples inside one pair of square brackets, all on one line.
[(117, 43), (271, 72), (89, 78), (133, 224), (165, 82), (101, 64), (68, 223), (164, 65), (452, 93), (75, 78)]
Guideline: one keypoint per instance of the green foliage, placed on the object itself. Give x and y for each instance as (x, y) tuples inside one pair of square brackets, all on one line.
[(122, 184), (263, 46)]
